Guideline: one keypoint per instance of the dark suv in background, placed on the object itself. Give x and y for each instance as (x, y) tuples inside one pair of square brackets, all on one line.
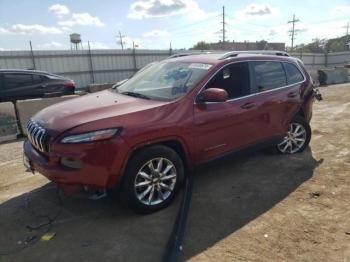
[(22, 84), (148, 133)]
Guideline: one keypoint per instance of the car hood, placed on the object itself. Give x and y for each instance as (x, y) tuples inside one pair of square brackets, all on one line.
[(92, 107)]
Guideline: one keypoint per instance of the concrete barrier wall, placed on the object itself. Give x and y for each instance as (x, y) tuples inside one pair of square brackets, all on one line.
[(8, 122), (27, 108), (334, 75)]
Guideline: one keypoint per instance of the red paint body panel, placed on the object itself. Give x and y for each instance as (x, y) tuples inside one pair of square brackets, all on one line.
[(204, 131), (99, 106), (217, 124), (100, 162)]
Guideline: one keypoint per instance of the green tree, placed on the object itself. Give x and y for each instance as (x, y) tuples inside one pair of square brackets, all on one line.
[(263, 45), (201, 45), (338, 44), (317, 45)]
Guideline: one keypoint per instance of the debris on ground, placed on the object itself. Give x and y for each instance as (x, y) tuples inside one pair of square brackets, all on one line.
[(48, 236), (315, 194)]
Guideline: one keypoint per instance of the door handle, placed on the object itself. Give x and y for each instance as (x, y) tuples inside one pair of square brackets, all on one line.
[(248, 105), (292, 94)]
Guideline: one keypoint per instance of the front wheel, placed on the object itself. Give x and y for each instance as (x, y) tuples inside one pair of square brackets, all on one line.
[(297, 138), (152, 179)]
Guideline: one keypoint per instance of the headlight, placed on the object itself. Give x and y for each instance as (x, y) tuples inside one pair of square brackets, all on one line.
[(90, 136)]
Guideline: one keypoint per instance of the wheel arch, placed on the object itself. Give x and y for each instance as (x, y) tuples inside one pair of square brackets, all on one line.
[(175, 143), (301, 113), (180, 149)]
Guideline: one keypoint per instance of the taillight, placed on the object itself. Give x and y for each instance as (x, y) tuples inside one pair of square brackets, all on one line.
[(69, 84)]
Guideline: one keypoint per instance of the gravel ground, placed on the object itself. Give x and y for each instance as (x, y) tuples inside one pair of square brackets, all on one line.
[(257, 207)]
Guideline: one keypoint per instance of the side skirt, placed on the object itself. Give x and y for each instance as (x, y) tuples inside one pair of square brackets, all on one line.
[(246, 149)]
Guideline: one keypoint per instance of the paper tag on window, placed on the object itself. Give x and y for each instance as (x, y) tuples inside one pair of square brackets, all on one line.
[(200, 66)]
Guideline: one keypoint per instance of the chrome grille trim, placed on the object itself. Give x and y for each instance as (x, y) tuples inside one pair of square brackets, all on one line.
[(38, 136)]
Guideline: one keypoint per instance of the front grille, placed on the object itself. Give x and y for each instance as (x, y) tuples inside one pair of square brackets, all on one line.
[(38, 136)]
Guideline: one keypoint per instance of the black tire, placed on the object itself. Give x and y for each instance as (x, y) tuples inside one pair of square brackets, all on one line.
[(68, 92), (139, 160), (299, 120)]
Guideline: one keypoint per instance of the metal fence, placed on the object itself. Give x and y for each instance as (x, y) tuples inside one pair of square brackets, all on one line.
[(312, 60), (103, 66), (83, 66)]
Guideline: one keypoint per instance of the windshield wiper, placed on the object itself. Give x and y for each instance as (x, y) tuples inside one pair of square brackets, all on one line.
[(138, 95), (118, 84)]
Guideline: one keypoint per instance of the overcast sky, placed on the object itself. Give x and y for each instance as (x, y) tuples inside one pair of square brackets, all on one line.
[(155, 23)]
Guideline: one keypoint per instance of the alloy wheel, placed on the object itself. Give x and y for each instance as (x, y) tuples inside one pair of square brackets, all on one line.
[(294, 139), (155, 181)]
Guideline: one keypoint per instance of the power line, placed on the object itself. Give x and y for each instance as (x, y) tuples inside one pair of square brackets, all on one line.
[(293, 29), (246, 23), (328, 20), (204, 35), (188, 26)]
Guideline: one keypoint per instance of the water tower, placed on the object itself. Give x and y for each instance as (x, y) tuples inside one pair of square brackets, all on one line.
[(75, 41)]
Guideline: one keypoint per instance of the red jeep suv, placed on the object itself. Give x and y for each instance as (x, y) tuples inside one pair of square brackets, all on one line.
[(147, 133)]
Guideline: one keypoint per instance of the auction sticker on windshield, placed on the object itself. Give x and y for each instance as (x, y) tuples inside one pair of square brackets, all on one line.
[(200, 66)]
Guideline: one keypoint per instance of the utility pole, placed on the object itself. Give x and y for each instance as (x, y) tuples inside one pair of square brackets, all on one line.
[(347, 37), (91, 64), (293, 30), (121, 42), (134, 56), (223, 24), (32, 54)]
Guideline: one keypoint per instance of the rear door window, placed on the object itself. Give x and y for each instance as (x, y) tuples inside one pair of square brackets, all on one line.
[(14, 80), (293, 74), (37, 79), (268, 75)]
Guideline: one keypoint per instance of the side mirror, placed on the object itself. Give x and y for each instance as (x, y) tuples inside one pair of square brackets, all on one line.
[(213, 95)]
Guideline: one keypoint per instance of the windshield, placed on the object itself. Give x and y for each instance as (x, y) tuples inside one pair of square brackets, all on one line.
[(166, 80)]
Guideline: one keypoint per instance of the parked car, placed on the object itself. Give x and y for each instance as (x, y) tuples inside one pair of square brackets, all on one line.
[(147, 134), (22, 84)]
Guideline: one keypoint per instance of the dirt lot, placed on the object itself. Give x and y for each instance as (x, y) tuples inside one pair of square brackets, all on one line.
[(259, 207)]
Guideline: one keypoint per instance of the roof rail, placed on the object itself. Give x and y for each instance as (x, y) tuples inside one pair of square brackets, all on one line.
[(259, 52), (187, 54)]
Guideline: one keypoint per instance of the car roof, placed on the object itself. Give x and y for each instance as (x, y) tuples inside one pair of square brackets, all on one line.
[(223, 58), (28, 71), (24, 71)]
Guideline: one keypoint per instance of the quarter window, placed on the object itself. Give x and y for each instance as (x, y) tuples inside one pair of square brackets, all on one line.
[(268, 75), (293, 74)]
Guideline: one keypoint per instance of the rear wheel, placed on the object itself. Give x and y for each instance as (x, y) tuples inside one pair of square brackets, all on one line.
[(152, 179), (297, 138)]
